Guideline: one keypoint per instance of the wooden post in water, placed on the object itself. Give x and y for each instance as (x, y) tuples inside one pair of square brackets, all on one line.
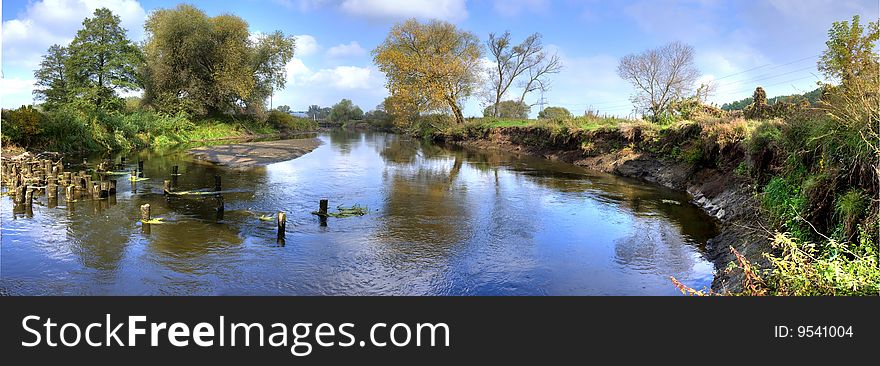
[(217, 186), (174, 177), (221, 207), (96, 191), (166, 187), (112, 183), (140, 168), (29, 196), (145, 212), (282, 223), (322, 211), (20, 193), (105, 189), (51, 189), (69, 193)]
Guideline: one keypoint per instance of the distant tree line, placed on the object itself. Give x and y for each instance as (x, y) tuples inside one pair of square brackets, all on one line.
[(811, 97)]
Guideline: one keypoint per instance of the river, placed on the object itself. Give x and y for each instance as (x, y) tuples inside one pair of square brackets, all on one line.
[(440, 221)]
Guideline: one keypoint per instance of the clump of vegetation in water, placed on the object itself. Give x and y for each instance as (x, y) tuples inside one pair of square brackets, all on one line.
[(343, 212)]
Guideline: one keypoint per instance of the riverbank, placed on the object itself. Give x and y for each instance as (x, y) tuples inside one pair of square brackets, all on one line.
[(637, 152), (74, 131)]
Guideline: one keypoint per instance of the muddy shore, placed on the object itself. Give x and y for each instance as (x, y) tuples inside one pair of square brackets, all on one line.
[(721, 193)]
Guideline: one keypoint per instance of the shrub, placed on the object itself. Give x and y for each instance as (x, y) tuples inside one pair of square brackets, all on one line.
[(554, 113), (22, 126), (284, 121), (801, 269)]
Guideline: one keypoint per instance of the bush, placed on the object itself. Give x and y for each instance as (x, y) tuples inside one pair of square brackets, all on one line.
[(285, 122), (800, 269), (22, 126), (508, 109), (554, 113)]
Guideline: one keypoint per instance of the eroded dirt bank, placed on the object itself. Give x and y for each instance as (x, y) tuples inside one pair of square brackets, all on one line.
[(718, 190)]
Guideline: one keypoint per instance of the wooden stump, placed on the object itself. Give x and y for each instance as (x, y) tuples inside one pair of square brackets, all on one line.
[(69, 193), (322, 207), (52, 189), (282, 223), (145, 212), (322, 211), (166, 187), (217, 185), (105, 189), (96, 191)]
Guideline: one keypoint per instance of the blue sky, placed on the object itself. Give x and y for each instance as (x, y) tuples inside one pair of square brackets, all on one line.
[(739, 44)]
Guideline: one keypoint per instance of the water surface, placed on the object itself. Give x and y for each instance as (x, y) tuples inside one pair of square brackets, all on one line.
[(441, 221)]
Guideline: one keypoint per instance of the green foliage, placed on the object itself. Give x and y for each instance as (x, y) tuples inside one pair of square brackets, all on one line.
[(508, 109), (345, 111), (838, 268), (850, 208), (101, 60), (317, 112), (785, 203), (22, 126), (811, 97), (850, 50), (282, 121), (765, 137), (556, 113), (379, 118), (52, 78), (208, 65)]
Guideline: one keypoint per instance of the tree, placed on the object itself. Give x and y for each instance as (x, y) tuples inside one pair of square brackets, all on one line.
[(52, 78), (557, 113), (507, 109), (283, 109), (512, 61), (345, 111), (758, 108), (209, 65), (101, 60), (378, 116), (660, 76), (430, 66), (850, 50)]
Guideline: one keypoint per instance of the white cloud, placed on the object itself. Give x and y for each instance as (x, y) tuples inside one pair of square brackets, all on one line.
[(346, 50), (47, 22), (451, 10), (343, 77), (306, 45), (15, 92), (325, 86)]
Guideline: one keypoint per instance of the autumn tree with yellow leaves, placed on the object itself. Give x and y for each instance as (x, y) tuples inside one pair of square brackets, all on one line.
[(430, 67)]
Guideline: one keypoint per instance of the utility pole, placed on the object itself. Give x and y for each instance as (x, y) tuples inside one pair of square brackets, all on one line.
[(542, 101)]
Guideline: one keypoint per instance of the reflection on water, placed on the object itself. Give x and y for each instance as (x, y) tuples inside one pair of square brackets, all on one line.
[(441, 221)]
